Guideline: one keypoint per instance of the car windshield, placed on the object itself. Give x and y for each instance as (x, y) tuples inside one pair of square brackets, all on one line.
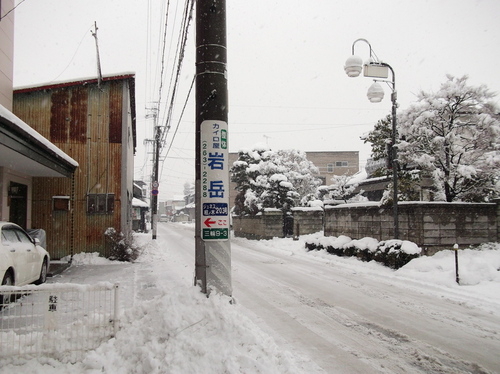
[(23, 237), (9, 236)]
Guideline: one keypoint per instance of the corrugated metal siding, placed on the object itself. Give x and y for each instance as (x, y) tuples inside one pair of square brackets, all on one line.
[(56, 224), (35, 109), (78, 120), (115, 112), (78, 115), (59, 120)]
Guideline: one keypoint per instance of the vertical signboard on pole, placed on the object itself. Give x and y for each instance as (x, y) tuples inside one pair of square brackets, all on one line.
[(214, 181)]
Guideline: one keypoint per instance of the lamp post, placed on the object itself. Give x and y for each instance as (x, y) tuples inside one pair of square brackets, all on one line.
[(374, 68)]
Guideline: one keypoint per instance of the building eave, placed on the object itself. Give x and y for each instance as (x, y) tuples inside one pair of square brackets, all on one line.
[(25, 150)]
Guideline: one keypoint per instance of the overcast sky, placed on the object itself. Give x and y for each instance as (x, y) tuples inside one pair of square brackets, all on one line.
[(287, 86)]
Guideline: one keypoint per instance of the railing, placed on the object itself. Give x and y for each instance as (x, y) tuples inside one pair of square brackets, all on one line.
[(56, 320)]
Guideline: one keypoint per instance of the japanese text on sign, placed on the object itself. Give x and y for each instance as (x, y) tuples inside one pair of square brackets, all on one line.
[(215, 180)]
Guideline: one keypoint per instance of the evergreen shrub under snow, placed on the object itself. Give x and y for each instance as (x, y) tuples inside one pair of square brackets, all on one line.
[(392, 253), (122, 247)]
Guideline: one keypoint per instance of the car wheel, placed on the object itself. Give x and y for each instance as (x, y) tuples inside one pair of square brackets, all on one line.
[(6, 281), (43, 273)]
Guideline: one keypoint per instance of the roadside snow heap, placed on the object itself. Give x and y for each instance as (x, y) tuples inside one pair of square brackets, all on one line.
[(392, 253)]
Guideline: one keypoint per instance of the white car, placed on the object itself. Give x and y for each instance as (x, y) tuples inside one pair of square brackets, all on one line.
[(22, 259)]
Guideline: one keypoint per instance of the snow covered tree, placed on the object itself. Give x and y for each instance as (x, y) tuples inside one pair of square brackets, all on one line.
[(189, 191), (272, 179), (381, 138), (453, 135), (341, 189)]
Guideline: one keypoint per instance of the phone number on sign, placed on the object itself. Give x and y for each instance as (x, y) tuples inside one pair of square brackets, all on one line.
[(215, 209)]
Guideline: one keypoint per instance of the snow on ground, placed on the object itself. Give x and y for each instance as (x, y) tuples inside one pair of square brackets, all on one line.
[(179, 330), (479, 268)]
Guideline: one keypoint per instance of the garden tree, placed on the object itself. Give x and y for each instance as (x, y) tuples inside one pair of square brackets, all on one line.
[(243, 173), (188, 188), (189, 191), (341, 189), (453, 135), (380, 139), (272, 179), (279, 193)]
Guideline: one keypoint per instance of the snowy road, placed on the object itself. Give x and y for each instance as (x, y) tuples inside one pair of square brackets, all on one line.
[(347, 321)]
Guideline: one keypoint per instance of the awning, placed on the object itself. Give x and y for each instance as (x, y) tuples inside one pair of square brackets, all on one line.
[(24, 150), (139, 203)]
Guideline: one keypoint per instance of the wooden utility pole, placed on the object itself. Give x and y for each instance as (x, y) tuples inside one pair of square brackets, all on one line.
[(213, 248)]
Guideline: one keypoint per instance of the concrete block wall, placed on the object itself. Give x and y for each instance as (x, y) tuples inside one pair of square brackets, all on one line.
[(267, 225), (431, 225), (307, 220)]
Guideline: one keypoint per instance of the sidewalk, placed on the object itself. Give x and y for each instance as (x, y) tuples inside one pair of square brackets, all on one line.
[(57, 267)]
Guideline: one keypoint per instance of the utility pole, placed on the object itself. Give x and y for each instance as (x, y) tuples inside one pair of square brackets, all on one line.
[(154, 175), (212, 229), (99, 73), (154, 184)]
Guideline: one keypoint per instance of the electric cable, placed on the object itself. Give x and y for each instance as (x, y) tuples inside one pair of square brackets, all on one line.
[(188, 14), (179, 122)]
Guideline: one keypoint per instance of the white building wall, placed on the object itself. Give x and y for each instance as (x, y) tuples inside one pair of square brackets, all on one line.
[(6, 53)]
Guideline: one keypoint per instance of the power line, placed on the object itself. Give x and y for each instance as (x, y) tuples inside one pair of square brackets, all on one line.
[(10, 11), (72, 58), (180, 118), (187, 16), (164, 43)]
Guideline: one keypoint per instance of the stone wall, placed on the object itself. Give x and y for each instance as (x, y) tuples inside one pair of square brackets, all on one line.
[(307, 220), (431, 225), (267, 225)]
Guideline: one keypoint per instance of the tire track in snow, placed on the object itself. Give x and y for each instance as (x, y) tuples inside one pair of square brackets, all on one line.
[(396, 352)]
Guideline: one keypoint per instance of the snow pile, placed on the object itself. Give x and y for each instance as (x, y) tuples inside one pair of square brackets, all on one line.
[(370, 244), (475, 267), (479, 268), (178, 330), (184, 331), (88, 259)]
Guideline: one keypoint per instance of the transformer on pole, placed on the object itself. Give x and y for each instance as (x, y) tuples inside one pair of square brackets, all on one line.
[(212, 229)]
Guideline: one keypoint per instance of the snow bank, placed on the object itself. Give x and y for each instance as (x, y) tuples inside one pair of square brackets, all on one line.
[(475, 267), (177, 331), (88, 259), (184, 331)]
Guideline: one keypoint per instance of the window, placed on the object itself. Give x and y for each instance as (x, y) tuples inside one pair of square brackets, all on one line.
[(100, 203), (23, 237), (329, 168), (8, 235), (60, 203), (341, 164)]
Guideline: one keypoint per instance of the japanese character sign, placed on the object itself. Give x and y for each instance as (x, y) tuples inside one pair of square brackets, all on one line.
[(214, 181)]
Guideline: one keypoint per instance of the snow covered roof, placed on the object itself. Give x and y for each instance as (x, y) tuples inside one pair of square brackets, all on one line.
[(139, 203), (129, 76), (26, 149), (358, 177), (67, 83)]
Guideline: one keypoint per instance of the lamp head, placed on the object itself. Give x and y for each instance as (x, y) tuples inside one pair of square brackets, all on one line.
[(353, 66), (375, 93)]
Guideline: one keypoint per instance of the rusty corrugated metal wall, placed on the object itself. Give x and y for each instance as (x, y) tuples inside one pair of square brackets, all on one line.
[(86, 123)]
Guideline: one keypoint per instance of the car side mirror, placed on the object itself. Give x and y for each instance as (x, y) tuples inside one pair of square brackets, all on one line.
[(37, 241)]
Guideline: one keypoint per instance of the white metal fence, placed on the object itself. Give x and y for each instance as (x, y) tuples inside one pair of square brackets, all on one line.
[(56, 320)]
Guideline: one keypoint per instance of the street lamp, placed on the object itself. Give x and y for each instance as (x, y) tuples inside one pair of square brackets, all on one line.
[(374, 68)]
